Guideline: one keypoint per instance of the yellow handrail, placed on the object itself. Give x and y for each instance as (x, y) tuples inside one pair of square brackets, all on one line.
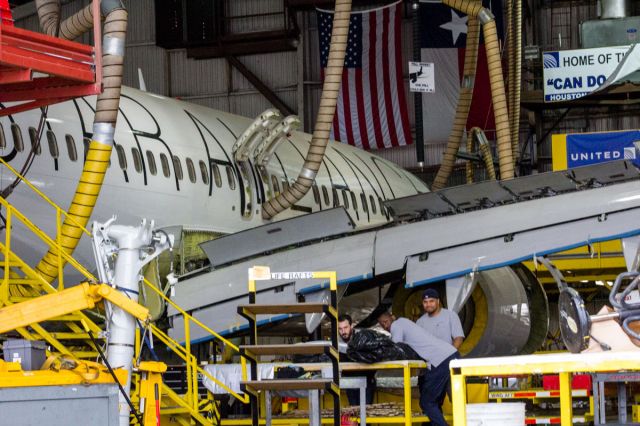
[(42, 195), (183, 352)]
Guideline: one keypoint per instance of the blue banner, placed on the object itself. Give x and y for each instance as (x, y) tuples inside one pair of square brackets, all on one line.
[(592, 148)]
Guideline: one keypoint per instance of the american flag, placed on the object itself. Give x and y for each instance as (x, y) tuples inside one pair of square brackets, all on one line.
[(372, 109)]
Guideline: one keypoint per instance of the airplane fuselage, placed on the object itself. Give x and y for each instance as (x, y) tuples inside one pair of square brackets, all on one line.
[(173, 162)]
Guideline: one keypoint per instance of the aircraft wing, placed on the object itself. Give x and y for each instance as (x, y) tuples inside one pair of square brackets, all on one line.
[(435, 236)]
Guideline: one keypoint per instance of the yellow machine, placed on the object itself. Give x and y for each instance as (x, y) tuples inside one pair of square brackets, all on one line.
[(65, 370)]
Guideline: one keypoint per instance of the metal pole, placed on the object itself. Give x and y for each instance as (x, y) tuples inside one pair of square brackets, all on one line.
[(417, 97)]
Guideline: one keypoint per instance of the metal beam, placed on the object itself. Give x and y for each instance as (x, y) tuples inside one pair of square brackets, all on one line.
[(258, 84)]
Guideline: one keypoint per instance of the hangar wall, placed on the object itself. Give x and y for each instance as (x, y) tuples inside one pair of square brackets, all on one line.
[(294, 76)]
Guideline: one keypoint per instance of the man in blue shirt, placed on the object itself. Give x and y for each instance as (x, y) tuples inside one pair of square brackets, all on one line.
[(437, 353)]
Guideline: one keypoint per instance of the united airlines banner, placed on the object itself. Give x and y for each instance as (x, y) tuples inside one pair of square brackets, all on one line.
[(572, 74), (581, 149)]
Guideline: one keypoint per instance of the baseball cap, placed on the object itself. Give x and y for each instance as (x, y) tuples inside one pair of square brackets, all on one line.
[(430, 293)]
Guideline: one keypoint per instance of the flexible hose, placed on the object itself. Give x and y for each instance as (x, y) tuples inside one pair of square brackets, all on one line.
[(469, 168), (464, 104), (496, 79), (500, 111), (509, 48), (78, 24), (514, 111), (95, 166), (49, 15), (477, 134), (487, 157), (324, 121)]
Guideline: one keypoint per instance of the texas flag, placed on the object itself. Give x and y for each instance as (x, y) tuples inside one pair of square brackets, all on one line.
[(443, 41)]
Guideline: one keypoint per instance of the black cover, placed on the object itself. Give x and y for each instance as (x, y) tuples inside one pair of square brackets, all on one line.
[(369, 346)]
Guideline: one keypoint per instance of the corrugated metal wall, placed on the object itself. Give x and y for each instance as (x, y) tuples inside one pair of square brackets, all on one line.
[(214, 83)]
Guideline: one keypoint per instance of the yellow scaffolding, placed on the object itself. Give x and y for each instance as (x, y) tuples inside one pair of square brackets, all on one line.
[(15, 289)]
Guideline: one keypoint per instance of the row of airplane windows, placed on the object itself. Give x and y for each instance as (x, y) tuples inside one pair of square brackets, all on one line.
[(348, 197), (52, 142)]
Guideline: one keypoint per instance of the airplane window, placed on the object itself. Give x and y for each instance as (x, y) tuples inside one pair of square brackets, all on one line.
[(231, 177), (122, 159), (316, 194), (151, 160), (3, 141), (71, 147), (87, 142), (137, 159), (204, 172), (325, 195), (177, 166), (365, 206), (382, 209), (166, 171), (16, 132), (53, 144), (345, 199), (191, 170), (276, 187), (35, 143), (353, 200), (264, 176), (336, 199), (216, 175), (372, 201)]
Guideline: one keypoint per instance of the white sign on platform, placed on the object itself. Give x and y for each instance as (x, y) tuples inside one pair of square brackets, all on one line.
[(421, 77), (572, 74)]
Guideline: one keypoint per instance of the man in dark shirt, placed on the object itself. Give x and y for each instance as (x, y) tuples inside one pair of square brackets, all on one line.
[(346, 332)]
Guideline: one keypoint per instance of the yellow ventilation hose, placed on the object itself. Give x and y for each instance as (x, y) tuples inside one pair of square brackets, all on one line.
[(474, 134), (324, 121), (469, 167), (501, 113), (464, 104), (95, 166), (515, 81)]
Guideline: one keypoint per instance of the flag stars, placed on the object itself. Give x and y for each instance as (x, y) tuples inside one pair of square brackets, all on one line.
[(457, 26)]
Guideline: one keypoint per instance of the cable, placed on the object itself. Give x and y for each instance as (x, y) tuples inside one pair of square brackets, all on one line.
[(113, 374)]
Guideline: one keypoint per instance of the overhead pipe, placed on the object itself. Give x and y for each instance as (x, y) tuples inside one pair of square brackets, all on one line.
[(464, 104), (501, 113), (328, 101), (104, 125)]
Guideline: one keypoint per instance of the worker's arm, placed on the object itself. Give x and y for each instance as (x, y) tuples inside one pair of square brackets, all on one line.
[(457, 342), (456, 330)]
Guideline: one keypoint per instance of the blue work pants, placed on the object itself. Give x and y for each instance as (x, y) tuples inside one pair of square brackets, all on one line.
[(433, 387)]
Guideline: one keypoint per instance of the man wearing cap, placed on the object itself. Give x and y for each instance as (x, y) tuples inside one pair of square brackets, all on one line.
[(441, 322)]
